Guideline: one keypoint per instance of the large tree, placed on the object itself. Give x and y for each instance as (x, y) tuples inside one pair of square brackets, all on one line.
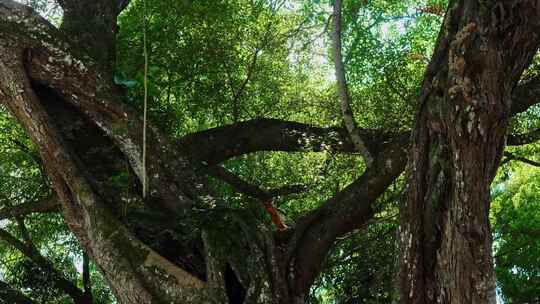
[(58, 84), (457, 143)]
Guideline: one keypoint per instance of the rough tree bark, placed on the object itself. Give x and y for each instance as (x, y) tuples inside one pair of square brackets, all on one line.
[(458, 141)]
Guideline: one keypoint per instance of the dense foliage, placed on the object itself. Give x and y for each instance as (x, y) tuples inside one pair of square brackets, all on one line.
[(516, 226)]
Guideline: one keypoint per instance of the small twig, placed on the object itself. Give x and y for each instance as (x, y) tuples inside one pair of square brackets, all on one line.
[(251, 190), (266, 197)]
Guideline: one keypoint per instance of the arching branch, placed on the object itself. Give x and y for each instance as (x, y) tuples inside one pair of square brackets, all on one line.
[(349, 209), (219, 144)]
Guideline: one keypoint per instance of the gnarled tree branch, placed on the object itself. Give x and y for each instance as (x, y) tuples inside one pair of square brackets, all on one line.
[(110, 244), (219, 144), (349, 209), (252, 190)]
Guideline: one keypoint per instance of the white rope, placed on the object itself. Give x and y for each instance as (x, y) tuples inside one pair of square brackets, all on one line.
[(145, 53)]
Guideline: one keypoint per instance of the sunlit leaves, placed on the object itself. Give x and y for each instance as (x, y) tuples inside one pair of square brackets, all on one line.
[(516, 228)]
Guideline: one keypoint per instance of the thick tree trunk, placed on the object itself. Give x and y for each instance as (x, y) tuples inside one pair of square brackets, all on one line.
[(458, 141)]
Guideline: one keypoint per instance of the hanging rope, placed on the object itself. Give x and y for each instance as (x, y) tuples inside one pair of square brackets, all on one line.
[(145, 53)]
